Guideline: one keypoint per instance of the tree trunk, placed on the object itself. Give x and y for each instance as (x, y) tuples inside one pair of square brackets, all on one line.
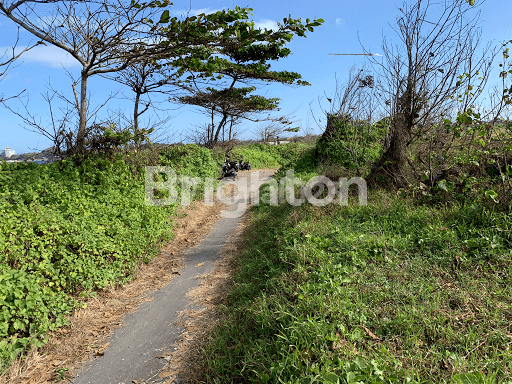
[(82, 111), (390, 169), (221, 125), (210, 131), (136, 114)]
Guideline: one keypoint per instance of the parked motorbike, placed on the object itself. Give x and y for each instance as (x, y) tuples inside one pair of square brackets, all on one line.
[(229, 168), (244, 166)]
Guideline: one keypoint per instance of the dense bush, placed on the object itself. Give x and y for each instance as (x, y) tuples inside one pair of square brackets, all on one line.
[(351, 144), (270, 156), (260, 156), (191, 160), (67, 230)]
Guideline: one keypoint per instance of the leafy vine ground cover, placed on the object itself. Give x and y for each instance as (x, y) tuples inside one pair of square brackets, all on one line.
[(69, 230)]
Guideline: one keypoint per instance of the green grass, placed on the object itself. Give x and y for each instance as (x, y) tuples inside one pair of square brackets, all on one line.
[(263, 156), (431, 284)]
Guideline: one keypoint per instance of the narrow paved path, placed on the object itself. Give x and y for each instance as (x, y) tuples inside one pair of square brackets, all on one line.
[(133, 350)]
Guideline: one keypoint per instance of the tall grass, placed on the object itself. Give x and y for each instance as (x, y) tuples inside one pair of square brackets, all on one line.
[(390, 292)]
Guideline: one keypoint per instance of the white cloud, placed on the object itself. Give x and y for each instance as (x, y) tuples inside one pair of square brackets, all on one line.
[(266, 23), (48, 55), (341, 22)]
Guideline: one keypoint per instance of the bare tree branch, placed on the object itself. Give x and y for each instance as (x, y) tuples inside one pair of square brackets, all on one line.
[(9, 60), (104, 37)]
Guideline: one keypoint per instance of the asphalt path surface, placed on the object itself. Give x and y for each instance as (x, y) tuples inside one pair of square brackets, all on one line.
[(133, 350)]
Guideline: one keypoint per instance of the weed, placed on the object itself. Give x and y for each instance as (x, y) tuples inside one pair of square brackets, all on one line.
[(390, 292)]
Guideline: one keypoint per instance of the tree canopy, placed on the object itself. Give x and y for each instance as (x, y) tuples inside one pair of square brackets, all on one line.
[(227, 49), (205, 54)]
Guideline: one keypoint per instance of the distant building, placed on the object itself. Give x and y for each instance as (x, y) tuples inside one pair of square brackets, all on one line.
[(7, 152)]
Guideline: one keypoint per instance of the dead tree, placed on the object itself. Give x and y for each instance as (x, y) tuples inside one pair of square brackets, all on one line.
[(422, 75), (104, 37), (267, 131), (200, 135)]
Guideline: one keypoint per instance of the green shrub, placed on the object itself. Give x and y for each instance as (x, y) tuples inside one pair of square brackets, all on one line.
[(351, 144), (270, 156), (260, 156), (68, 229), (190, 160)]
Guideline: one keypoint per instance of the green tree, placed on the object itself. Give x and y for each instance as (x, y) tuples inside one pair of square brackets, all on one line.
[(227, 50), (231, 104)]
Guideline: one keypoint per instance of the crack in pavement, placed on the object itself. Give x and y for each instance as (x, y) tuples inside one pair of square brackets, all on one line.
[(134, 349)]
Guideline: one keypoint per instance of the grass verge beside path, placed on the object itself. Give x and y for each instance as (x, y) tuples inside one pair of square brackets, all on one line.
[(391, 292)]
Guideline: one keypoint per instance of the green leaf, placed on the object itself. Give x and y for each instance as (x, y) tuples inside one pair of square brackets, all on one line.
[(18, 325), (361, 363), (164, 18), (332, 378), (351, 377), (469, 378), (491, 195)]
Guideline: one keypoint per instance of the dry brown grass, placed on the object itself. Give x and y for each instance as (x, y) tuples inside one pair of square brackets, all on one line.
[(186, 359)]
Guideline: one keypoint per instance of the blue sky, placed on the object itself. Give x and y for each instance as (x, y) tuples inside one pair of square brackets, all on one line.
[(348, 24)]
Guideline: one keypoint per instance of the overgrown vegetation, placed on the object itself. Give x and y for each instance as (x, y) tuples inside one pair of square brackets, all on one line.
[(412, 288), (270, 156), (69, 230), (351, 144), (263, 156), (391, 292)]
